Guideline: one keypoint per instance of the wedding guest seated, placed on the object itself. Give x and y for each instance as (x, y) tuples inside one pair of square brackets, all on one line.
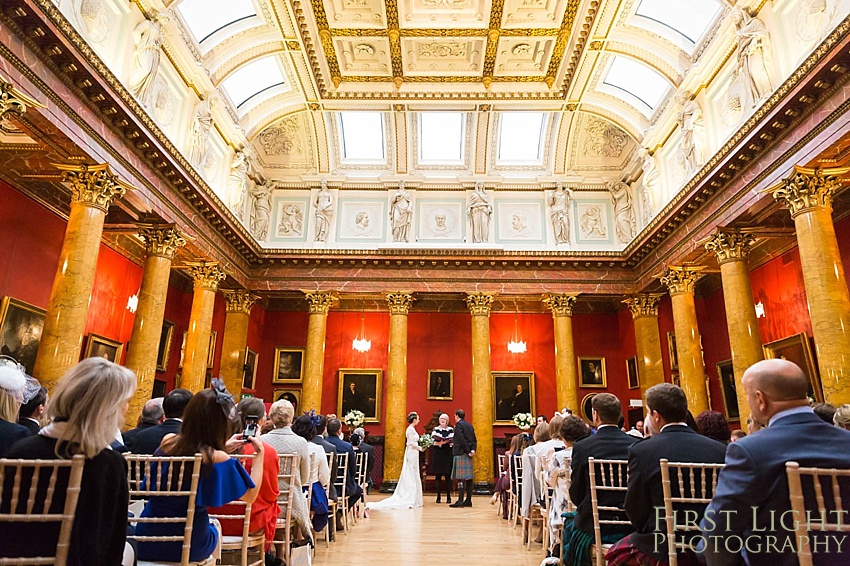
[(87, 406), (825, 411), (13, 384), (173, 405), (841, 418), (533, 458), (369, 450), (31, 411), (205, 429), (714, 425), (152, 415), (737, 435), (503, 482), (320, 475), (352, 490), (572, 428)]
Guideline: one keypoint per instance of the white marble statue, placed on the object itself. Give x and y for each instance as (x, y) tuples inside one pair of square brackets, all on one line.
[(199, 134), (401, 213), (147, 37), (324, 212), (559, 206), (261, 206), (693, 133), (650, 184), (625, 222), (237, 184), (479, 210), (753, 56)]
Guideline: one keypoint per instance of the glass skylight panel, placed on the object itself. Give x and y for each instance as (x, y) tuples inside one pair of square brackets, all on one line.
[(521, 136), (205, 17), (362, 135), (638, 80), (689, 18), (441, 136), (252, 79)]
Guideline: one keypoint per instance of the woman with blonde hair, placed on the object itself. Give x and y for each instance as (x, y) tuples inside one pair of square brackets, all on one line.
[(842, 417), (13, 386)]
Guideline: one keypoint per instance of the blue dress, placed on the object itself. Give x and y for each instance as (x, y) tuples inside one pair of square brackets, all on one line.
[(219, 483)]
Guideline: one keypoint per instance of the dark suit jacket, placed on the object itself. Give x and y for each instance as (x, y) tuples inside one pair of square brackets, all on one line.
[(10, 433), (676, 444), (343, 447), (370, 459), (329, 449), (30, 425), (609, 443), (464, 439), (130, 436), (148, 441), (753, 488), (320, 440)]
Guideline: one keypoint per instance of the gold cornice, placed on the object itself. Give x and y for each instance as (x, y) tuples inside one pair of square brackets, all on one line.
[(161, 240), (680, 279), (206, 274), (93, 185), (399, 302), (644, 304), (560, 304), (321, 301), (239, 301), (808, 188), (479, 303)]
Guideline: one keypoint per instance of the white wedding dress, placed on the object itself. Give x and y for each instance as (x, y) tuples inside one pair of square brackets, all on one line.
[(408, 492)]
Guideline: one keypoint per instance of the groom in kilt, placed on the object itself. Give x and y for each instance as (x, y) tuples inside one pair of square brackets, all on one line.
[(463, 450)]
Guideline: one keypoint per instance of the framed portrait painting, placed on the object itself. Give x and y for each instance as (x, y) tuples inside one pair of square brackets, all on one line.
[(249, 369), (210, 350), (514, 393), (360, 389), (440, 384), (291, 395), (671, 350), (587, 407), (164, 349), (100, 347), (632, 372), (592, 372), (797, 349), (726, 374), (21, 325), (288, 365)]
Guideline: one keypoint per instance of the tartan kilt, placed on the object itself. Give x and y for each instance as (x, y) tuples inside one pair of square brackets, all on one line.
[(462, 467)]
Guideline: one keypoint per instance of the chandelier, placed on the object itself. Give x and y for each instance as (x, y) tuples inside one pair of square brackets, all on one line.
[(360, 343), (516, 346)]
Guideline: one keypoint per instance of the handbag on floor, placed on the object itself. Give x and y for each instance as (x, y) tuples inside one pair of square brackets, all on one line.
[(300, 554)]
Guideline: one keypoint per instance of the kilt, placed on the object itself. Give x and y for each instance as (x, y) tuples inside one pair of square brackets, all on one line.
[(462, 467)]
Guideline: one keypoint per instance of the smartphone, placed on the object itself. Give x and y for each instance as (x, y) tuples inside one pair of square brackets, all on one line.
[(250, 428)]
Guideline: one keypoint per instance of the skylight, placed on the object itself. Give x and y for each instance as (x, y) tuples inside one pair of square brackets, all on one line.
[(205, 17), (689, 18), (638, 80), (252, 79), (521, 136), (441, 137), (362, 135)]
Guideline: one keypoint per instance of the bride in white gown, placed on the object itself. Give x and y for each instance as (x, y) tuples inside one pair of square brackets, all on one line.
[(408, 492)]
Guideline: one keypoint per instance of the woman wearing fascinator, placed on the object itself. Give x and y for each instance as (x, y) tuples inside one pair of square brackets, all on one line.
[(14, 386)]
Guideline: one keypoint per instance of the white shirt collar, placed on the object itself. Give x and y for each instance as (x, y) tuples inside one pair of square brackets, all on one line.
[(673, 424), (789, 412)]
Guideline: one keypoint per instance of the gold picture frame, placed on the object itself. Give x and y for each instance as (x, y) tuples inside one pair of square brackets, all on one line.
[(672, 352), (591, 371), (21, 325), (210, 349), (101, 347), (249, 369), (164, 349), (509, 399), (440, 384), (587, 407), (632, 372), (288, 365), (289, 394), (797, 349), (726, 376), (364, 396)]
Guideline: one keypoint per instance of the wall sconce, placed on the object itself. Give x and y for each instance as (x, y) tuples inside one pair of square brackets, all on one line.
[(516, 346), (760, 310), (360, 343), (133, 303)]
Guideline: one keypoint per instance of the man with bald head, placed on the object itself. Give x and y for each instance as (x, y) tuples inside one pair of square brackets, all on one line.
[(745, 518)]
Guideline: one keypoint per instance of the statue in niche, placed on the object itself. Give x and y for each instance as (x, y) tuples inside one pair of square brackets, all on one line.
[(261, 196), (693, 133), (237, 184), (401, 212), (199, 133), (324, 212), (753, 56), (592, 227), (559, 204), (650, 183), (147, 37), (625, 222), (479, 210)]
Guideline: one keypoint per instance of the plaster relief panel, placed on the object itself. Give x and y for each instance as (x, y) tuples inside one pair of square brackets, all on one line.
[(286, 144), (432, 56), (362, 220), (520, 221), (440, 220), (442, 14), (520, 56), (343, 14), (533, 13), (289, 220), (599, 145), (364, 56), (594, 221)]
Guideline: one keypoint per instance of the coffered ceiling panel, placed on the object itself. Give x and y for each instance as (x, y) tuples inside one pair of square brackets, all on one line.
[(535, 13), (438, 57), (518, 56), (364, 56), (343, 14), (450, 14)]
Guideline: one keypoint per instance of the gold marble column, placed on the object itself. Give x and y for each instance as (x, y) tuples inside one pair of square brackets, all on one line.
[(314, 356), (731, 248), (161, 243), (566, 372), (207, 275), (396, 400), (482, 386), (93, 188), (644, 309), (680, 281), (808, 193), (238, 305)]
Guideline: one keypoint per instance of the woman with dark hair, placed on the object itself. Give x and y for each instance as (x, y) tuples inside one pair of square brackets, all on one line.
[(206, 424), (408, 492), (320, 475), (713, 425), (503, 483)]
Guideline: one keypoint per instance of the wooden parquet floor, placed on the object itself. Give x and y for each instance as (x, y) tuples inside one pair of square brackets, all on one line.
[(434, 535)]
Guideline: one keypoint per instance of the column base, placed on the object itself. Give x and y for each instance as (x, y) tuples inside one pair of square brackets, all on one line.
[(388, 486), (482, 488)]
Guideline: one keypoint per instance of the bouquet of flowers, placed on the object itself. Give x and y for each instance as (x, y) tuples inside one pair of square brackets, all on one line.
[(354, 418), (523, 421), (426, 441)]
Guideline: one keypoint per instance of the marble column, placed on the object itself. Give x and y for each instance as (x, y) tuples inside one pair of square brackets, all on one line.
[(731, 248), (161, 243), (808, 193), (680, 281), (482, 387), (396, 401), (93, 189), (207, 275), (566, 370), (238, 305), (644, 309), (314, 357)]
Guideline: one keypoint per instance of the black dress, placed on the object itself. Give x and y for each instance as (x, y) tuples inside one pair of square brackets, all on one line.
[(441, 456)]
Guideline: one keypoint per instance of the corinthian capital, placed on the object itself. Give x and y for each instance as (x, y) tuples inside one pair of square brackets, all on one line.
[(479, 303), (14, 103), (93, 185), (730, 245), (681, 279), (161, 239), (644, 305), (239, 301), (400, 302), (808, 188), (206, 274), (560, 304), (320, 301)]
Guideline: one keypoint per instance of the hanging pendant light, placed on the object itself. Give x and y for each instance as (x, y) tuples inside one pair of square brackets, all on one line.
[(360, 343), (516, 346)]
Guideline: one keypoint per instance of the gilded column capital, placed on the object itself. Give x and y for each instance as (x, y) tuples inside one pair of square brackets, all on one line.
[(320, 301), (206, 274), (479, 303), (93, 185), (681, 279), (730, 245), (808, 188), (14, 103), (644, 304), (161, 239), (239, 301), (560, 304), (400, 302)]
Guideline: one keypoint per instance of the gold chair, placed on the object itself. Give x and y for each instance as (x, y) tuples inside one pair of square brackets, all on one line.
[(827, 519), (25, 477), (605, 475), (247, 540), (695, 483), (286, 481)]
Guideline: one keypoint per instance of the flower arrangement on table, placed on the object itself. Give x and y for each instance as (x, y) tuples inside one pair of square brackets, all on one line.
[(426, 441), (354, 418), (523, 421)]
